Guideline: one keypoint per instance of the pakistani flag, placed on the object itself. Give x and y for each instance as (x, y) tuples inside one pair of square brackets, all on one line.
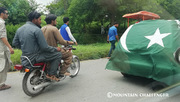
[(147, 49)]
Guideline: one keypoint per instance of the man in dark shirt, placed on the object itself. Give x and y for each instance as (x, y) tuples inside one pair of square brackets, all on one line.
[(30, 39)]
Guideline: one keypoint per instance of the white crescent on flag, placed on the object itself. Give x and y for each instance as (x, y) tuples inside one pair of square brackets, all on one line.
[(123, 38)]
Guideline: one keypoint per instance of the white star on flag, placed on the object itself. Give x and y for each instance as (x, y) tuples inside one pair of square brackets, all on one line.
[(156, 38)]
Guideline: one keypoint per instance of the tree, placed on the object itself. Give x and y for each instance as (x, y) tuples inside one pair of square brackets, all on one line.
[(172, 8), (18, 9), (83, 13), (59, 7)]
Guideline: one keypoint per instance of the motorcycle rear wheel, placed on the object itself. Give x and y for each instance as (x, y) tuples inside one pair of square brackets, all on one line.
[(30, 80)]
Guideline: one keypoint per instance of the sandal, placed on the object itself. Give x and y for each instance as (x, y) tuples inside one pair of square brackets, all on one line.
[(52, 77), (4, 87), (66, 74)]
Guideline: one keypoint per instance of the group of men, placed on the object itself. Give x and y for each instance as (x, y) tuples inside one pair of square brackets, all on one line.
[(38, 44), (41, 44)]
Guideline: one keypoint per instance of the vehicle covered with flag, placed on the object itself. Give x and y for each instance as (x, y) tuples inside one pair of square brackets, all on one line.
[(147, 49)]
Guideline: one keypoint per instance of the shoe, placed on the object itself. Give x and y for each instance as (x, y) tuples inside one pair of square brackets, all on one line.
[(4, 87), (52, 77)]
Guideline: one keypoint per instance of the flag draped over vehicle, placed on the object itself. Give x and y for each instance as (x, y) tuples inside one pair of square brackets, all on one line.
[(147, 49)]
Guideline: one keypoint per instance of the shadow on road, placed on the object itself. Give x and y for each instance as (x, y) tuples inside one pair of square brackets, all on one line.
[(143, 82)]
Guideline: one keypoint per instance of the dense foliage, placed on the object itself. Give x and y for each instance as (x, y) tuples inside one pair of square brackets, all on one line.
[(18, 9), (85, 12), (89, 17)]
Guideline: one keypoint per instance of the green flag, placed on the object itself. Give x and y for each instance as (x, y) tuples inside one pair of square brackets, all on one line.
[(147, 49)]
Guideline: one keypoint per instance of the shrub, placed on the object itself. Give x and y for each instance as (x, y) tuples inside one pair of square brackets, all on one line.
[(92, 51), (11, 30), (90, 38)]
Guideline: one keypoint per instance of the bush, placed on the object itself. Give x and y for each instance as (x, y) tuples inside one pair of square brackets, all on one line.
[(92, 51), (16, 56), (94, 27), (59, 21), (90, 38), (43, 22), (11, 30)]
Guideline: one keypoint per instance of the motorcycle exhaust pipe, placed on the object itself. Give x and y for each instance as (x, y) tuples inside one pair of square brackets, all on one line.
[(41, 85)]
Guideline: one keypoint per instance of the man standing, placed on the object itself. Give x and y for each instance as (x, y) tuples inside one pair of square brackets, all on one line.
[(5, 50), (66, 32), (52, 36), (30, 39), (112, 36)]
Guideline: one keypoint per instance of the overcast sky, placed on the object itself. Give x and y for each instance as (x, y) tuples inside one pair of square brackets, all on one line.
[(44, 2)]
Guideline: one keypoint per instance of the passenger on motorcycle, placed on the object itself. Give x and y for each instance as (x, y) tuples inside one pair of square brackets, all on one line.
[(29, 38), (53, 37)]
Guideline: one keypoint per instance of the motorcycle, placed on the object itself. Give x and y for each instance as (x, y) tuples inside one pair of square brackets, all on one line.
[(35, 81)]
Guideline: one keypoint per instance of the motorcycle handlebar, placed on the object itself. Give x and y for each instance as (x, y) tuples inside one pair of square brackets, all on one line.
[(69, 47), (73, 48)]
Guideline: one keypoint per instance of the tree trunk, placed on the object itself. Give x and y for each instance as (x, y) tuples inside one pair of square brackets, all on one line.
[(112, 19), (65, 4)]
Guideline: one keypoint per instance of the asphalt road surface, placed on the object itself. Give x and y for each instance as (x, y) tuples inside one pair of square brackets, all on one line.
[(93, 84)]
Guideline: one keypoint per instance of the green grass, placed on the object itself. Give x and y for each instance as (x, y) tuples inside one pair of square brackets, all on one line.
[(84, 52), (15, 58), (92, 51)]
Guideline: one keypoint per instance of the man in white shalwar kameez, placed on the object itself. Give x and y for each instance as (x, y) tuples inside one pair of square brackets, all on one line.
[(5, 50)]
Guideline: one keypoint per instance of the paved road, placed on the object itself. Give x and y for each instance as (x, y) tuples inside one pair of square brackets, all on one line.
[(93, 84)]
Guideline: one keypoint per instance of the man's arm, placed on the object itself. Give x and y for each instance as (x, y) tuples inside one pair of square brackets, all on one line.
[(4, 40), (16, 42), (117, 35), (70, 35), (3, 37), (60, 38), (117, 38), (107, 38)]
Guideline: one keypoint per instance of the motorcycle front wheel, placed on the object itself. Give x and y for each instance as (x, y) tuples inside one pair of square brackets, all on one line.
[(30, 80), (74, 67)]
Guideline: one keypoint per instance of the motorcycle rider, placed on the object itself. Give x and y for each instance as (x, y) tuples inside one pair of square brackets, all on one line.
[(29, 38), (52, 36)]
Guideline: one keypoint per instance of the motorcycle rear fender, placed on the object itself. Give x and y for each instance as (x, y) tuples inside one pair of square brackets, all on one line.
[(18, 67)]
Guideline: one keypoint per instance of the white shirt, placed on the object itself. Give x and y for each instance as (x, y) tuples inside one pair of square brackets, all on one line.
[(2, 28), (3, 34), (4, 51), (69, 34)]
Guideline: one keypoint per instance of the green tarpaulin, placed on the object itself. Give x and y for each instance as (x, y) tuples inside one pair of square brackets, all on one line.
[(147, 49)]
